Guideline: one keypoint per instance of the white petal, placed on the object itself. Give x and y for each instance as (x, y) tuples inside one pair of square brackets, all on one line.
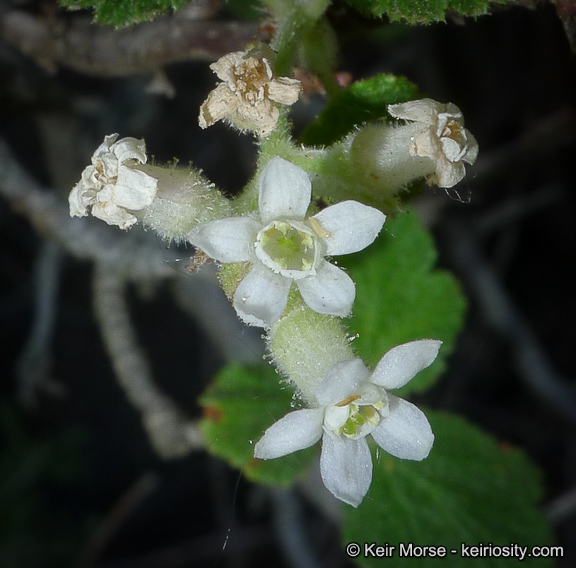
[(452, 150), (450, 110), (423, 110), (113, 215), (227, 240), (349, 226), (331, 291), (78, 200), (129, 149), (134, 189), (109, 165), (104, 148), (261, 297), (405, 432), (472, 152), (346, 468), (403, 362), (89, 179), (296, 431), (449, 174), (341, 381), (285, 191)]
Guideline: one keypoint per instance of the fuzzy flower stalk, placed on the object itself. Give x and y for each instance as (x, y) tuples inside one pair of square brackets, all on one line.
[(352, 403), (249, 94), (283, 245), (432, 143)]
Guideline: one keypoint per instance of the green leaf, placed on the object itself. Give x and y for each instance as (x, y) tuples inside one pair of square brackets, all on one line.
[(361, 102), (422, 11), (241, 404), (121, 13), (469, 490), (400, 297)]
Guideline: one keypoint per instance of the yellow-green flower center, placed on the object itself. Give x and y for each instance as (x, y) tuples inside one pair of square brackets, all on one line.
[(287, 247), (360, 419)]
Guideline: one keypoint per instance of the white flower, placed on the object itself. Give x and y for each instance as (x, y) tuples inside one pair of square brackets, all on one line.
[(248, 92), (443, 138), (284, 246), (352, 404), (111, 186)]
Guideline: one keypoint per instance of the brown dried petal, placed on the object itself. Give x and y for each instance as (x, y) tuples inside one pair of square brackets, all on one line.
[(284, 90), (220, 103)]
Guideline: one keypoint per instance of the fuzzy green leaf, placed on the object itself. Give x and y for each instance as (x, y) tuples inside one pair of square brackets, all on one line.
[(241, 404), (469, 490), (361, 102), (121, 13), (422, 11), (400, 297)]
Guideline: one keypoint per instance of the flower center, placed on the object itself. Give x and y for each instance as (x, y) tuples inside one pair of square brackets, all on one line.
[(357, 415), (250, 78), (453, 140), (289, 248), (361, 421)]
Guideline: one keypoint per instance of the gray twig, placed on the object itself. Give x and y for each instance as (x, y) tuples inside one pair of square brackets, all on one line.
[(33, 365), (115, 519), (499, 310), (562, 508), (76, 43), (170, 433)]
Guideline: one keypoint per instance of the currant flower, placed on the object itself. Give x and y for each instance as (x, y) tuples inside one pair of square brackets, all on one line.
[(353, 403), (248, 92), (431, 144), (111, 186), (442, 138), (285, 246)]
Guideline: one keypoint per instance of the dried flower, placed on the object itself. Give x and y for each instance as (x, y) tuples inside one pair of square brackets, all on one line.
[(111, 186), (442, 138), (248, 92)]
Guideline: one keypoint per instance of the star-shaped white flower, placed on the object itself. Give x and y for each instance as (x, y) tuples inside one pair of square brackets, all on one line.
[(111, 186), (284, 246), (443, 138), (352, 403), (249, 91)]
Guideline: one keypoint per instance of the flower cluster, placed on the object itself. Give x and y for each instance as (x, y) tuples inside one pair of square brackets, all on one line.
[(284, 246), (112, 186), (248, 92), (285, 243), (353, 403)]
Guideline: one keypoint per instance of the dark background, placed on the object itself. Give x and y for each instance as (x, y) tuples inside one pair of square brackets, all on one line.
[(80, 485)]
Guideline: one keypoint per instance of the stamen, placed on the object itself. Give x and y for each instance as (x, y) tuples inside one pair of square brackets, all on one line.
[(348, 400), (318, 229)]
